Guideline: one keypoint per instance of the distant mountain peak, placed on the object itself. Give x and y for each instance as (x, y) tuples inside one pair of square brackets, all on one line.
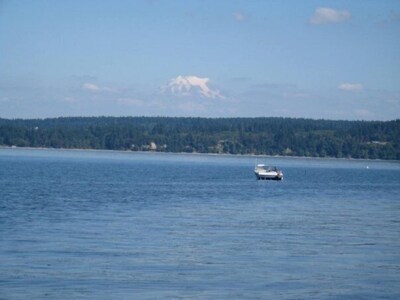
[(192, 86)]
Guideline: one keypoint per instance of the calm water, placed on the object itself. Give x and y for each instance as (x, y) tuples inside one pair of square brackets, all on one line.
[(113, 225)]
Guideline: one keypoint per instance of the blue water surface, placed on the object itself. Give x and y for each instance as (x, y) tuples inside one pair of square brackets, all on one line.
[(124, 225)]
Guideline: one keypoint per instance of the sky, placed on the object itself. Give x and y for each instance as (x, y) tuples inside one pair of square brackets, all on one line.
[(228, 58)]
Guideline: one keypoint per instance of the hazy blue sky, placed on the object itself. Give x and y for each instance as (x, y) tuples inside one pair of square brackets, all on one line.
[(315, 59)]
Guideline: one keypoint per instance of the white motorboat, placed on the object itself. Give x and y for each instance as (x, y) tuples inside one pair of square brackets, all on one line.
[(264, 172)]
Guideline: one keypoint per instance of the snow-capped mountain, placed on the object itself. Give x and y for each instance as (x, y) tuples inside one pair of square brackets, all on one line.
[(191, 86)]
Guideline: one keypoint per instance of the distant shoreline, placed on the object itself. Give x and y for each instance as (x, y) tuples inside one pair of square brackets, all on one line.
[(196, 153)]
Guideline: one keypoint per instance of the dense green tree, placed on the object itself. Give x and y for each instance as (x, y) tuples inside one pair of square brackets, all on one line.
[(271, 136)]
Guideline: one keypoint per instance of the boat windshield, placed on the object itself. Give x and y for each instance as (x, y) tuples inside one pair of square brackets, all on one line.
[(272, 169), (267, 168)]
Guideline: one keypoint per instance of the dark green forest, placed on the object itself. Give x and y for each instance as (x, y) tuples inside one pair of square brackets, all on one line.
[(268, 136)]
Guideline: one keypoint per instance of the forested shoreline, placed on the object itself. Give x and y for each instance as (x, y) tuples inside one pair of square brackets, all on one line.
[(260, 136)]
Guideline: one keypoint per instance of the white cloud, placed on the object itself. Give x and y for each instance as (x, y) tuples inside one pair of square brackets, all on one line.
[(192, 86), (95, 88), (239, 16), (324, 15), (351, 87), (90, 87)]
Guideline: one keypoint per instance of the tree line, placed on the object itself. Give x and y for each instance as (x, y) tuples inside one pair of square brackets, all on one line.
[(268, 136)]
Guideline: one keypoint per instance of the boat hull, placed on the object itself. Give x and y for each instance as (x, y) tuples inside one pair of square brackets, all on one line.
[(269, 176)]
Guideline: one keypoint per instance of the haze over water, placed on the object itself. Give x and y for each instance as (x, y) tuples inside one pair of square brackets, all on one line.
[(123, 225)]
